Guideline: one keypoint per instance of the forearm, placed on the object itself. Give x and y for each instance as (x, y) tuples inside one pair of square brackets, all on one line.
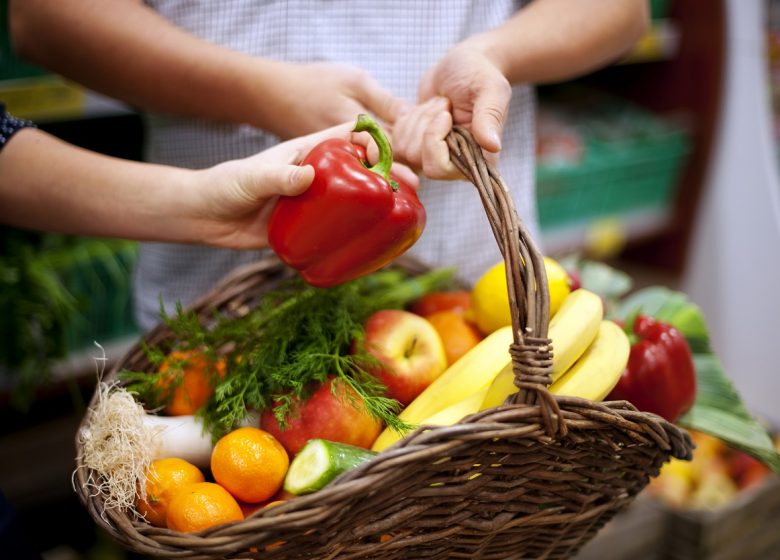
[(124, 49), (554, 40), (49, 185)]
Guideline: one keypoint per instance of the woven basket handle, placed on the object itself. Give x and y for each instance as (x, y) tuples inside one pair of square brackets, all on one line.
[(529, 297)]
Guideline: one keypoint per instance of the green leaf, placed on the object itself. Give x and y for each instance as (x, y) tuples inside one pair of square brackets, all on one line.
[(670, 307), (719, 412), (599, 278)]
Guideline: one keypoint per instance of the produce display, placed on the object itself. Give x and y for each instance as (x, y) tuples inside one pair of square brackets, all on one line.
[(716, 476)]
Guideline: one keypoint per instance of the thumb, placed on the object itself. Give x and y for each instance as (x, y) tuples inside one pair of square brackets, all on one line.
[(490, 110), (297, 179), (273, 180)]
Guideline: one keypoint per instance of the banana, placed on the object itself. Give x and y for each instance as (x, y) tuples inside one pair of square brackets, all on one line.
[(473, 372), (599, 369), (572, 330), (445, 417)]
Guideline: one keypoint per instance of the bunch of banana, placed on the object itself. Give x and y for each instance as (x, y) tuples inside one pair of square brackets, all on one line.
[(589, 354)]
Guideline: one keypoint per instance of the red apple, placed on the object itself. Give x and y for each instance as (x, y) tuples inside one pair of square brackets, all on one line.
[(409, 349), (333, 412)]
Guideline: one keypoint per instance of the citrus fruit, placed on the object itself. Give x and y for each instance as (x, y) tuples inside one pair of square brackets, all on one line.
[(250, 463), (457, 334), (200, 506), (187, 381), (164, 478), (490, 301), (458, 301)]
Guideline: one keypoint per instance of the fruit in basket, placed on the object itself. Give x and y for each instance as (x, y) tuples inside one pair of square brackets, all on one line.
[(573, 328), (334, 412), (410, 352), (592, 375), (200, 506), (457, 333), (490, 300), (456, 301), (598, 370), (660, 376), (472, 373), (186, 381), (250, 463), (164, 479)]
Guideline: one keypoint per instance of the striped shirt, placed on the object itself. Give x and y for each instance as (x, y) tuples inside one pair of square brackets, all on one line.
[(405, 40)]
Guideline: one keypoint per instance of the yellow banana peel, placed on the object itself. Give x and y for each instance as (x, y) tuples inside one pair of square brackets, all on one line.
[(599, 369)]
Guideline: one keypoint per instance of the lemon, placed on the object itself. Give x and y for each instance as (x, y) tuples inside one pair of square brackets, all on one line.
[(490, 301)]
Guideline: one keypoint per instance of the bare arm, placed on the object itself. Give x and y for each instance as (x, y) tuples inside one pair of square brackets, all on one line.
[(554, 40), (126, 50), (548, 41), (50, 185)]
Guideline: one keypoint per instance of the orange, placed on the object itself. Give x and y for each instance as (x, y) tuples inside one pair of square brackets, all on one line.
[(187, 380), (165, 478), (458, 334), (250, 463), (458, 301), (200, 506)]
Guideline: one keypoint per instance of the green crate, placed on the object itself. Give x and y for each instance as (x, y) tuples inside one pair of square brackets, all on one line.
[(659, 8), (631, 163)]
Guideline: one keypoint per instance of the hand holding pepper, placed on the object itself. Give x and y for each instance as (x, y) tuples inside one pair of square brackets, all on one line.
[(353, 219), (660, 376)]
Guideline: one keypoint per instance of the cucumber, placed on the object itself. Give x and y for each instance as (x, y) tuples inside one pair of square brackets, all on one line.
[(319, 462)]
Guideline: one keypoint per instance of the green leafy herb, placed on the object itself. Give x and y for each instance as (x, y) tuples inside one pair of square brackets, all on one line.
[(291, 340)]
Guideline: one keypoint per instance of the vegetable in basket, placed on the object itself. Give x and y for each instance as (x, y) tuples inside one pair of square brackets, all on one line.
[(660, 376), (352, 220)]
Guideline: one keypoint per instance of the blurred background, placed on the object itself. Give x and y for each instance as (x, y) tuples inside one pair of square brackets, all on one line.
[(665, 164)]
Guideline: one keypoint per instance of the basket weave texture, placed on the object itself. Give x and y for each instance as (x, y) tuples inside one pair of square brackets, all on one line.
[(534, 478)]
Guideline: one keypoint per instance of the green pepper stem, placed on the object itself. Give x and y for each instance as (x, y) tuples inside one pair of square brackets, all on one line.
[(382, 167)]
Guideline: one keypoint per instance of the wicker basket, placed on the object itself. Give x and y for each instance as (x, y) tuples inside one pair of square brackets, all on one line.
[(534, 478)]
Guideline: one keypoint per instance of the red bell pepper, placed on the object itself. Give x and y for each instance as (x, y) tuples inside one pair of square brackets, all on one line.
[(353, 219), (660, 376)]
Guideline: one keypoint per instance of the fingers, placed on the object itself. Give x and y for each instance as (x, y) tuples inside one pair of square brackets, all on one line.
[(409, 132), (405, 174), (381, 102), (421, 139), (489, 114), (436, 152)]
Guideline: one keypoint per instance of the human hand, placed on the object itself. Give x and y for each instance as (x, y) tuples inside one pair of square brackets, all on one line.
[(471, 78), (419, 139), (311, 97), (230, 203)]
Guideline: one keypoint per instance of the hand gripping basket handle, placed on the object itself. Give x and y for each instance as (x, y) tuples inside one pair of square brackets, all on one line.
[(529, 297)]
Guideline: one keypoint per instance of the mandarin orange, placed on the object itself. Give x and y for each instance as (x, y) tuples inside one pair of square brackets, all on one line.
[(187, 381), (200, 506), (456, 332), (250, 463), (164, 479)]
